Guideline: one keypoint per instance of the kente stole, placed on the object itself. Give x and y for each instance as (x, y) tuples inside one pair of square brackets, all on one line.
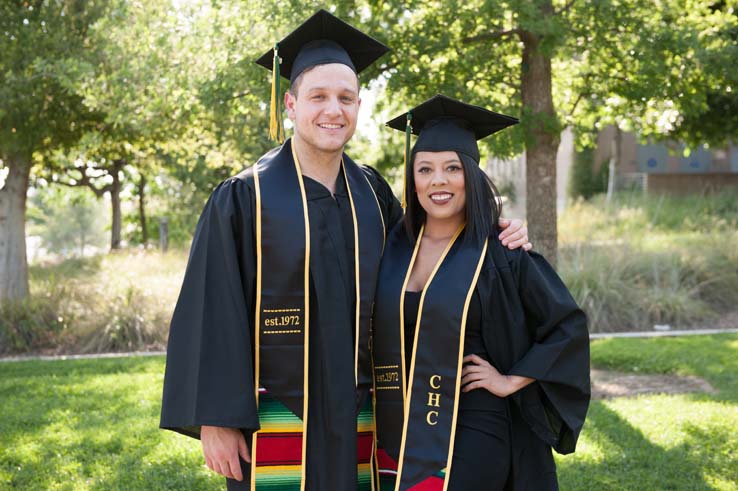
[(416, 427), (282, 318)]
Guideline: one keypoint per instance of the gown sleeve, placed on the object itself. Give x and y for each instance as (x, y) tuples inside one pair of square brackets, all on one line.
[(391, 208), (209, 368), (559, 356)]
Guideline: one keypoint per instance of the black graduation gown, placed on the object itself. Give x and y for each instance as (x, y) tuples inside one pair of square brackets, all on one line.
[(531, 326), (209, 375), (524, 321)]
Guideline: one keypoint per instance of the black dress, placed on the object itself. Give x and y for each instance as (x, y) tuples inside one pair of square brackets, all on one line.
[(482, 446)]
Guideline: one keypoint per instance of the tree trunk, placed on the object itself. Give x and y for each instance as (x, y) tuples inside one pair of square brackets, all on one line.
[(614, 160), (13, 261), (82, 242), (115, 202), (541, 144), (142, 210)]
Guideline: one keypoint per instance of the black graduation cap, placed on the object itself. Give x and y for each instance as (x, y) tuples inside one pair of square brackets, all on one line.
[(322, 39), (446, 124), (443, 124)]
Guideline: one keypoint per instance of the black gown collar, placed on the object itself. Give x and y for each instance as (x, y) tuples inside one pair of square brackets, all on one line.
[(316, 190)]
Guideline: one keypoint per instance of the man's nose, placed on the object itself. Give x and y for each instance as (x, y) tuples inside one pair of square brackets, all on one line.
[(332, 106)]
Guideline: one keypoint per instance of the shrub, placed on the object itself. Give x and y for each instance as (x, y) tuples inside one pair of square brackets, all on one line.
[(117, 302), (644, 260), (33, 324)]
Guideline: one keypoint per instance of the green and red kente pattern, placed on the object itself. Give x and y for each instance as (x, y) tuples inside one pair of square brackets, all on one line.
[(279, 447)]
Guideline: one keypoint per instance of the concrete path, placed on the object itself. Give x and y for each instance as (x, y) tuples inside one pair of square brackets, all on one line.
[(598, 335)]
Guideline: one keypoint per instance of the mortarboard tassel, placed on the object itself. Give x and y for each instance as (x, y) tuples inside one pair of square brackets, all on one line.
[(276, 125), (408, 132)]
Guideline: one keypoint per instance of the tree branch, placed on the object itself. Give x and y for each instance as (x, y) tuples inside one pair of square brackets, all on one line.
[(581, 95), (99, 192), (490, 36), (85, 181), (235, 96), (565, 8)]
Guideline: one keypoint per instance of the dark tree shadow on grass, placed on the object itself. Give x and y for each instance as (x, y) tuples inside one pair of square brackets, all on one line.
[(631, 461), (137, 471)]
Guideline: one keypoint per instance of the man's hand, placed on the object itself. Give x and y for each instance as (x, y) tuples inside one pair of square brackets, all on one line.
[(221, 447), (514, 234)]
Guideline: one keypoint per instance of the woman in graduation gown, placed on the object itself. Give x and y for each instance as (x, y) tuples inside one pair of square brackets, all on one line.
[(481, 355)]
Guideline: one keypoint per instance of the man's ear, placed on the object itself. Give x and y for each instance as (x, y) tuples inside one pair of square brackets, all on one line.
[(289, 104)]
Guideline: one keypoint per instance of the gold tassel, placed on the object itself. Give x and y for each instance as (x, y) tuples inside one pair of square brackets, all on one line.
[(408, 132), (276, 123)]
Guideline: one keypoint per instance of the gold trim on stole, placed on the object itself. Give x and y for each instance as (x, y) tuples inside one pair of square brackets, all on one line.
[(356, 276), (402, 315), (306, 339), (306, 316), (458, 368), (415, 343), (356, 261), (257, 318), (375, 478), (358, 311)]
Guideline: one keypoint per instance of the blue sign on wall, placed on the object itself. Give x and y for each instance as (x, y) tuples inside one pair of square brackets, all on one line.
[(696, 162), (651, 158)]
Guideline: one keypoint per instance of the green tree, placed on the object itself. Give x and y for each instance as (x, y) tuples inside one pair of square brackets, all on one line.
[(68, 221), (180, 93), (714, 121), (143, 61), (40, 43), (555, 63)]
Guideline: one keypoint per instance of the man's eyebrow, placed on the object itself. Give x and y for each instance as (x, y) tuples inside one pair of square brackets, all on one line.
[(320, 87)]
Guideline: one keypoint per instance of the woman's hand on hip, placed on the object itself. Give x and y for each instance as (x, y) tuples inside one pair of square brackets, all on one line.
[(478, 373)]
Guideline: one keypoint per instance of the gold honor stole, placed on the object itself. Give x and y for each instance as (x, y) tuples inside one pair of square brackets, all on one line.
[(416, 427), (282, 319)]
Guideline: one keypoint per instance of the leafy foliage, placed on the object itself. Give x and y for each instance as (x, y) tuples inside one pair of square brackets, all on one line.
[(584, 181), (42, 42), (68, 221), (171, 88)]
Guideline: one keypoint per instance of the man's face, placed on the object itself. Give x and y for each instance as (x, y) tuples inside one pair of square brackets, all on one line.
[(326, 107)]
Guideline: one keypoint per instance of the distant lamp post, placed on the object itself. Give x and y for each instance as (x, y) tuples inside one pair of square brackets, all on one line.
[(164, 234)]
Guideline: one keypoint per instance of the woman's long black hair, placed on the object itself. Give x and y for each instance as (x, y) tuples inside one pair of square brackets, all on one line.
[(483, 202)]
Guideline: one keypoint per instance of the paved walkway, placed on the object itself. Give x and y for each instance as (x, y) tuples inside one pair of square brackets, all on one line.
[(660, 334), (607, 384), (599, 335)]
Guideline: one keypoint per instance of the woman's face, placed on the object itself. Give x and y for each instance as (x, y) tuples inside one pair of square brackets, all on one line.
[(439, 184)]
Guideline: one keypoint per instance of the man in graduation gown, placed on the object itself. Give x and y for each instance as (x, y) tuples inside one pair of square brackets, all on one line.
[(268, 360)]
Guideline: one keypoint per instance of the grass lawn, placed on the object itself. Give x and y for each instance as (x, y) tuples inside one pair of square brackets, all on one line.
[(92, 425), (661, 442)]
